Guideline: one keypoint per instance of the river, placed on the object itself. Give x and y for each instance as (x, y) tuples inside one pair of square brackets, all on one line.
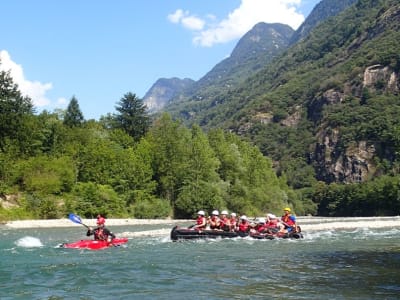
[(338, 258)]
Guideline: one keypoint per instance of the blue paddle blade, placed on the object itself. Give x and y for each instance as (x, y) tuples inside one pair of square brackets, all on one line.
[(75, 218)]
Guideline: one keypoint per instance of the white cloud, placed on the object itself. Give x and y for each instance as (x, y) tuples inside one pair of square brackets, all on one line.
[(33, 89), (188, 21), (240, 20)]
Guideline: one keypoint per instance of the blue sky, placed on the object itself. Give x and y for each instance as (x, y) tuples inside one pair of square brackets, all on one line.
[(98, 50)]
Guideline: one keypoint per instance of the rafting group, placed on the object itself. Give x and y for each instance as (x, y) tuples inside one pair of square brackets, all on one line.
[(271, 224)]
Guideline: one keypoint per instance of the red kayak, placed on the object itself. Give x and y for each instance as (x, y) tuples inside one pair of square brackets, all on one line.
[(95, 245)]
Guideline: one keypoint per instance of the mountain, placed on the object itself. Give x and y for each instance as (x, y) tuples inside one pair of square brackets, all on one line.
[(321, 12), (253, 51), (163, 90), (326, 108)]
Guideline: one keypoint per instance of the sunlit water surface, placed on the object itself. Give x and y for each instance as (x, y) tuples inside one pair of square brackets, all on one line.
[(333, 263)]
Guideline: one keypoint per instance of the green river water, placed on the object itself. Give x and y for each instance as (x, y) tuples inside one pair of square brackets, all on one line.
[(329, 263)]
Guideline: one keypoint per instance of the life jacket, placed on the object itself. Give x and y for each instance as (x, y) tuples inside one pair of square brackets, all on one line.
[(201, 222), (233, 222), (261, 228), (224, 224), (244, 226), (214, 222), (289, 220), (100, 235), (272, 223)]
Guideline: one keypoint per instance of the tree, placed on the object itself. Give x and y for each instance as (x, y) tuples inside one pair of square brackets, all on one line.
[(15, 114), (73, 116), (202, 187), (133, 116)]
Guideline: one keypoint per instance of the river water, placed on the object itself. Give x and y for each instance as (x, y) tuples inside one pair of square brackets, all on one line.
[(347, 258)]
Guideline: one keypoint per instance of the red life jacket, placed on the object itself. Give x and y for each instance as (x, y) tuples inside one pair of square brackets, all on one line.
[(214, 222), (261, 227), (201, 221), (233, 222), (288, 220), (244, 226), (99, 234), (224, 223), (272, 223)]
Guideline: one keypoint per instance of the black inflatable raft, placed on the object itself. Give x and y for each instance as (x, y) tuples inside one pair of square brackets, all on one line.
[(178, 233)]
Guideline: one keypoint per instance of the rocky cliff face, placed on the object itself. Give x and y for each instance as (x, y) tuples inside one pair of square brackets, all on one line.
[(355, 163), (378, 76), (163, 91), (334, 164)]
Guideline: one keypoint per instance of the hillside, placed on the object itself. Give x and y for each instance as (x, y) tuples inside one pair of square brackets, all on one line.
[(255, 49), (327, 108), (322, 11)]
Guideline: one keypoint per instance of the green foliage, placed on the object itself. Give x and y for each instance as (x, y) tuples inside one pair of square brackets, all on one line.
[(132, 116), (123, 165), (89, 200), (151, 208), (379, 197), (73, 115), (45, 175)]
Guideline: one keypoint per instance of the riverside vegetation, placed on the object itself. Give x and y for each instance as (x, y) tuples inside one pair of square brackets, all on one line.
[(256, 147)]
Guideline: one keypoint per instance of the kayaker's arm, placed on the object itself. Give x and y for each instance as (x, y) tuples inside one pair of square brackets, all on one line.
[(109, 233), (90, 231)]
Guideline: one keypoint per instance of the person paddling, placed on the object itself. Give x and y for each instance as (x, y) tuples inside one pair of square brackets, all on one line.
[(201, 221), (101, 233), (214, 221), (289, 221)]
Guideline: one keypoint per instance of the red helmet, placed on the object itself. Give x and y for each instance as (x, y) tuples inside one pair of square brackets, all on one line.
[(101, 221)]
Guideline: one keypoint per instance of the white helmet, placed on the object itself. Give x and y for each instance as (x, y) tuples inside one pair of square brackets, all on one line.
[(233, 214), (215, 213), (224, 212), (201, 212), (261, 220), (271, 216), (243, 217)]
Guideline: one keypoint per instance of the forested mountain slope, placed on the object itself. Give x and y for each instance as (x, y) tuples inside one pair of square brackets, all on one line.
[(254, 50), (322, 11), (327, 109)]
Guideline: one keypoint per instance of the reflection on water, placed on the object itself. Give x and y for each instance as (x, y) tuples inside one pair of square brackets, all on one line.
[(342, 262)]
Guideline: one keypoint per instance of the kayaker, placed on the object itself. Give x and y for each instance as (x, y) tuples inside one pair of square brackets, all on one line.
[(289, 220), (201, 221), (101, 233)]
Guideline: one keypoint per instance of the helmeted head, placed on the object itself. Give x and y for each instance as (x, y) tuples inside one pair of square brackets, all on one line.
[(201, 213), (243, 218), (271, 216), (287, 209), (215, 213), (233, 215), (224, 212), (101, 221), (261, 221)]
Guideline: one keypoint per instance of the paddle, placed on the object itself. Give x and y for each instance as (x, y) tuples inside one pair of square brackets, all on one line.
[(76, 219)]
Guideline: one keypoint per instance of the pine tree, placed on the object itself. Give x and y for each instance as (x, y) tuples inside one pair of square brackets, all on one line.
[(15, 111), (73, 116), (133, 116)]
